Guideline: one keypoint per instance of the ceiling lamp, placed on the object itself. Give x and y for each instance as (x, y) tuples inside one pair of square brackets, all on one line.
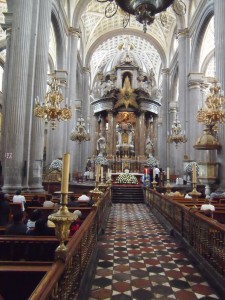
[(50, 110), (143, 10), (177, 134), (80, 134)]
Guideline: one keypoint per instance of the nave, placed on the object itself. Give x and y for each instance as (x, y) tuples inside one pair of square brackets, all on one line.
[(138, 259)]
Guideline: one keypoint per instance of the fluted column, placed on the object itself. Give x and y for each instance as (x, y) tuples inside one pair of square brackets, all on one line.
[(195, 129), (163, 149), (142, 134), (183, 58), (40, 81), (16, 94), (73, 147), (110, 138), (219, 12), (85, 113)]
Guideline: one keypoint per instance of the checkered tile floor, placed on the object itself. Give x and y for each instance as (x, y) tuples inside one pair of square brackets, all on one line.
[(138, 259)]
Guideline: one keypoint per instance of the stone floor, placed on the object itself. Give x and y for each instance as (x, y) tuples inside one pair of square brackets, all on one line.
[(138, 259)]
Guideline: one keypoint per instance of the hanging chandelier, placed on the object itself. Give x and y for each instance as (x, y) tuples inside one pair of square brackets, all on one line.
[(143, 10), (50, 110), (214, 112), (177, 134), (79, 133)]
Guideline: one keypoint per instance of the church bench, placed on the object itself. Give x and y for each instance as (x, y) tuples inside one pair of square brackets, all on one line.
[(46, 211), (27, 248), (19, 278)]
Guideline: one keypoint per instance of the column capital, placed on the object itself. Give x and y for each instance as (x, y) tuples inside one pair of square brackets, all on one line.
[(165, 71), (7, 26), (74, 32), (195, 80), (182, 33), (86, 70)]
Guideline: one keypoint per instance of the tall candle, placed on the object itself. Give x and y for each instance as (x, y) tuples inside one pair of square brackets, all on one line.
[(168, 173), (101, 173), (97, 173), (65, 173), (153, 174), (194, 173), (146, 171)]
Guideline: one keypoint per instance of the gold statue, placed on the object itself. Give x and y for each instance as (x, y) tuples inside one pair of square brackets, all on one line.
[(126, 96)]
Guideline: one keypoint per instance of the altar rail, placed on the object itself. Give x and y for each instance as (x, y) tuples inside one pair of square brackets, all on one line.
[(204, 237), (63, 280)]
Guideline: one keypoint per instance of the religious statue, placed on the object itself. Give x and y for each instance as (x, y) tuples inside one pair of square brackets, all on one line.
[(101, 144), (148, 147)]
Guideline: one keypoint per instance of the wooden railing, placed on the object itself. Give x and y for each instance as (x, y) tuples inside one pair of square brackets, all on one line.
[(205, 235), (63, 279)]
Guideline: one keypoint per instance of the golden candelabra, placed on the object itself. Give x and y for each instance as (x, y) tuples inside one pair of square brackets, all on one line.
[(168, 187), (213, 113), (154, 183), (63, 218), (79, 133), (194, 194), (177, 134), (50, 110), (96, 193)]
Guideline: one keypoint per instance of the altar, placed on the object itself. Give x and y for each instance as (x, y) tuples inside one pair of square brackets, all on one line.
[(138, 176)]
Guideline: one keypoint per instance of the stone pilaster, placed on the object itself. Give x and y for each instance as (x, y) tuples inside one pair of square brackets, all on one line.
[(141, 137)]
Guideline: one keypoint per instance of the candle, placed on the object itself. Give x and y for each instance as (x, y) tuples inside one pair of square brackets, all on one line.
[(101, 173), (168, 173), (65, 173), (146, 171), (97, 173), (194, 173), (154, 174)]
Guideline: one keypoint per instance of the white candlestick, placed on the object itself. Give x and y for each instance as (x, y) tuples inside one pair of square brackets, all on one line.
[(153, 174), (194, 173), (65, 173), (168, 173)]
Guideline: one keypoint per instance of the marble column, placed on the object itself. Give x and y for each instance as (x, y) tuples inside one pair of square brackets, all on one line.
[(40, 81), (163, 148), (183, 59), (16, 95), (219, 12)]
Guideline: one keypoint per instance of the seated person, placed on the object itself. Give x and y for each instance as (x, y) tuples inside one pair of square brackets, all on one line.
[(83, 197), (18, 198), (35, 202), (48, 202), (218, 193), (77, 223), (187, 196), (4, 210), (35, 215), (42, 229), (208, 209), (73, 202), (17, 227)]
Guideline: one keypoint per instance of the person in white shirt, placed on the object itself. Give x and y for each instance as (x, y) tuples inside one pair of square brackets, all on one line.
[(157, 171), (83, 197), (48, 202), (18, 198), (208, 209)]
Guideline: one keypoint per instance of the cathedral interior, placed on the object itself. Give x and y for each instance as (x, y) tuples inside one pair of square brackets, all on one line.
[(122, 87)]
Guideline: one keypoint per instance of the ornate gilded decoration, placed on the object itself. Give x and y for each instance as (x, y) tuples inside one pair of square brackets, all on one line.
[(126, 96)]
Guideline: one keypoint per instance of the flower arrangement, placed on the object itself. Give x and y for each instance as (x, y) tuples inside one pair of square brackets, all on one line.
[(101, 160), (152, 162), (126, 178), (56, 165), (189, 167)]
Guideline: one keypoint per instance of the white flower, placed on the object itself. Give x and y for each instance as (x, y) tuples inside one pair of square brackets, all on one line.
[(56, 165), (126, 178)]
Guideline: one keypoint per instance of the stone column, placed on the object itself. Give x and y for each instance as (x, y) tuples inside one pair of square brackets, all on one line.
[(195, 129), (16, 94), (73, 148), (85, 114), (141, 138), (219, 12), (163, 149), (111, 137), (40, 81), (183, 58)]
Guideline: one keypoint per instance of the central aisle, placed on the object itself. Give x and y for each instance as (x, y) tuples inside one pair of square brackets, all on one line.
[(138, 259)]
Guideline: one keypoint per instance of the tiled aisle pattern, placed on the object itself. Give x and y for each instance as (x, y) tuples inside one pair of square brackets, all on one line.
[(140, 260)]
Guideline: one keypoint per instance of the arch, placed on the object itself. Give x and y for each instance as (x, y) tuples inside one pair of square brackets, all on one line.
[(199, 35), (128, 31), (207, 61), (60, 38)]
